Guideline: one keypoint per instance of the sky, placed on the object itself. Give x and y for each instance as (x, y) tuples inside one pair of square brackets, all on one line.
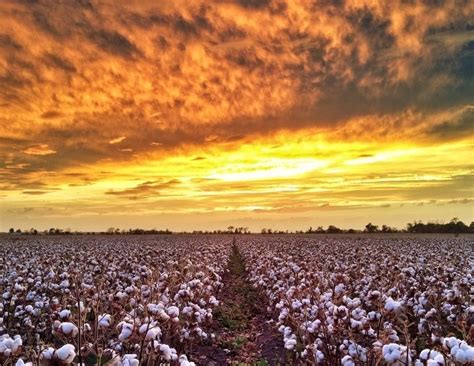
[(257, 113)]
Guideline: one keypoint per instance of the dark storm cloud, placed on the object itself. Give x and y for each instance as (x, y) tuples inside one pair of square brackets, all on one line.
[(232, 70), (113, 42), (461, 126), (59, 62), (9, 43), (51, 114), (146, 189), (254, 4)]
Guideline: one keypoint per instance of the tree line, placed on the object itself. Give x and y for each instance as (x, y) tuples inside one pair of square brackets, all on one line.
[(455, 226)]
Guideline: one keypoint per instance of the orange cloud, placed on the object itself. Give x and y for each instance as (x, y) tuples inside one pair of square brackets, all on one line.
[(117, 140), (238, 100), (42, 149)]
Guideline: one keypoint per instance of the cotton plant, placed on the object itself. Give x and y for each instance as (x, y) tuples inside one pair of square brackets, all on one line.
[(108, 298), (382, 293)]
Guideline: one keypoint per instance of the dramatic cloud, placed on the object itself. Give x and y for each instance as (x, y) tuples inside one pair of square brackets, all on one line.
[(114, 100)]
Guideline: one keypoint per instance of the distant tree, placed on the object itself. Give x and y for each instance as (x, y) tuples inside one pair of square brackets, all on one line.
[(18, 231), (320, 230), (370, 228), (11, 231), (333, 230), (388, 229)]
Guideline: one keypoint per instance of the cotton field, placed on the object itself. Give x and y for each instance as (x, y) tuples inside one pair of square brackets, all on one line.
[(149, 300), (121, 301), (369, 301)]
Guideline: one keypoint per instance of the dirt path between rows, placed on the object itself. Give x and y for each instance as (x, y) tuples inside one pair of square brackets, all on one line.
[(243, 333)]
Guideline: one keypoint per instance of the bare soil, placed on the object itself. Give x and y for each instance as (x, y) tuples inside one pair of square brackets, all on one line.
[(244, 333)]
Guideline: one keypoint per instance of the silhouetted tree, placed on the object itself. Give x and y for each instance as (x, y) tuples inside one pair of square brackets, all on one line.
[(333, 230), (370, 228)]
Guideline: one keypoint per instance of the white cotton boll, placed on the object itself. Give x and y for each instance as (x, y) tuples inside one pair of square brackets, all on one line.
[(355, 324), (169, 353), (105, 320), (373, 315), (450, 342), (126, 331), (391, 352), (173, 311), (163, 315), (347, 361), (462, 352), (425, 354), (439, 359), (68, 329), (66, 353), (20, 362), (392, 305), (153, 333), (64, 314), (290, 344), (187, 310), (433, 363), (183, 361), (213, 301), (319, 356), (29, 308), (339, 289), (130, 360), (47, 354), (296, 304)]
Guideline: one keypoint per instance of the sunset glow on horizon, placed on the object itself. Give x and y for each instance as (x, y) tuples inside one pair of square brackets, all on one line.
[(199, 115)]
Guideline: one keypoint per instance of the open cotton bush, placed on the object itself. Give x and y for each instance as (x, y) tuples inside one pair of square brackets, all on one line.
[(372, 301), (149, 300), (107, 300)]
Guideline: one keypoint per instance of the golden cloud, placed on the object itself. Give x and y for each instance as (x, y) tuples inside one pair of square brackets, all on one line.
[(42, 149), (325, 103)]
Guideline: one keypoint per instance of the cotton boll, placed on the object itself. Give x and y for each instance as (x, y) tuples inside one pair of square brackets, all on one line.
[(105, 320), (391, 352), (130, 360), (68, 329), (173, 311), (66, 353), (183, 361), (169, 353), (347, 361), (20, 362), (64, 314), (47, 354), (153, 333), (290, 344), (126, 331), (392, 305)]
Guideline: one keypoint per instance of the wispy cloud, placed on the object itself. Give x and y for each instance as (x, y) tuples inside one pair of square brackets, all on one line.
[(41, 149), (117, 140)]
